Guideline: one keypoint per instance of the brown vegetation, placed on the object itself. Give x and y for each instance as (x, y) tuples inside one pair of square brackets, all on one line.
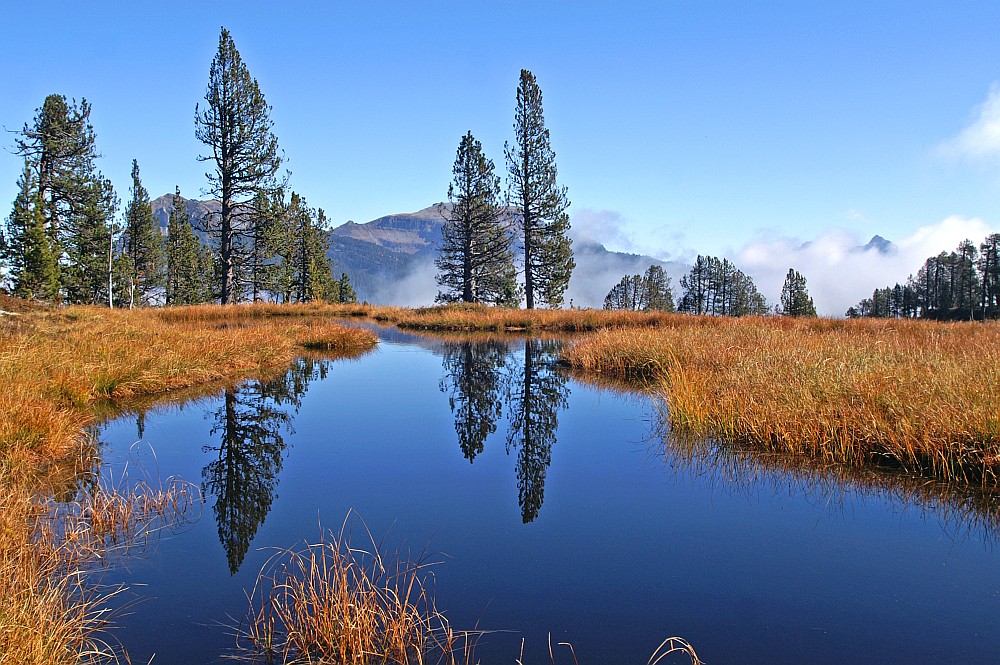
[(331, 602), (919, 395), (472, 318), (59, 368)]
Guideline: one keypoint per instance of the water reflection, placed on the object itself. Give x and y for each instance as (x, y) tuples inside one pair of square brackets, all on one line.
[(475, 379), (538, 392), (963, 511), (243, 477), (480, 376)]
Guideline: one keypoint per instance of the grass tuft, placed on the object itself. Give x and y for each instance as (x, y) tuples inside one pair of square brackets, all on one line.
[(329, 602)]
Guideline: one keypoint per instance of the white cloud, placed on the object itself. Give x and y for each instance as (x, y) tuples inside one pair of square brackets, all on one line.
[(602, 226), (981, 139), (839, 272)]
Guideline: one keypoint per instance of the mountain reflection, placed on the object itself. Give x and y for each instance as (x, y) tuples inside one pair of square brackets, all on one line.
[(479, 376), (244, 476)]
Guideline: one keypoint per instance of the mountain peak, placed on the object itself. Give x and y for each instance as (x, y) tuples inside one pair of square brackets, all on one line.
[(880, 244)]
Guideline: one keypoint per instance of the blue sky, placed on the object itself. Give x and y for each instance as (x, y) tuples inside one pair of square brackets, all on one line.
[(739, 129)]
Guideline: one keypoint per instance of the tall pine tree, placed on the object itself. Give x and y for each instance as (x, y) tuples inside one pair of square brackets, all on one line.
[(476, 261), (236, 127), (539, 203)]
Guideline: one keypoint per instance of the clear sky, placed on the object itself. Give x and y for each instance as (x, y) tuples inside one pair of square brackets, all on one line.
[(727, 128)]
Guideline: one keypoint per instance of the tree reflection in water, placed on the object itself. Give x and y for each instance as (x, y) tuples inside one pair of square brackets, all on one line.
[(479, 376), (475, 379), (537, 393), (244, 476)]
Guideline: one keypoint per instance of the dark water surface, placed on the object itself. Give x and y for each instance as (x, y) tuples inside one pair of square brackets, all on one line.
[(555, 508)]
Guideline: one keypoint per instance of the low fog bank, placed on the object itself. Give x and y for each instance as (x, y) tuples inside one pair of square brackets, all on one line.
[(840, 272), (838, 268), (416, 289)]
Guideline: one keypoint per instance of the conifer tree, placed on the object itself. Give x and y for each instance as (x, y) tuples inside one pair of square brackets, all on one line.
[(648, 292), (28, 253), (87, 245), (345, 292), (188, 263), (143, 245), (236, 127), (795, 299), (476, 261), (264, 239), (539, 203), (717, 287), (76, 203)]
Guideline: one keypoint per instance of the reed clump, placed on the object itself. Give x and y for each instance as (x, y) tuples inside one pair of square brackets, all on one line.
[(923, 396), (329, 602)]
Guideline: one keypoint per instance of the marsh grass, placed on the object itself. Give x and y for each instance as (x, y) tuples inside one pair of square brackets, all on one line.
[(60, 370), (473, 318), (51, 551), (920, 396), (331, 602), (57, 364)]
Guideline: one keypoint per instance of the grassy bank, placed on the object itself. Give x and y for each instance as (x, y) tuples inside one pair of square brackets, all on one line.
[(58, 369), (920, 395), (479, 318)]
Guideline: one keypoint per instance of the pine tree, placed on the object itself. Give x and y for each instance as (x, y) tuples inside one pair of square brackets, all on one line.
[(143, 245), (476, 261), (188, 263), (317, 276), (989, 269), (265, 236), (626, 294), (87, 245), (656, 292), (540, 204), (717, 287), (345, 292), (28, 252), (795, 299), (76, 203), (236, 126)]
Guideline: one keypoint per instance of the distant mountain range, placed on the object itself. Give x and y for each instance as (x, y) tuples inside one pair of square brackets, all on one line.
[(390, 260)]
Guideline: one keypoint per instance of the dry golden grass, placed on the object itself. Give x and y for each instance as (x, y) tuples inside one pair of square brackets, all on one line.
[(52, 613), (56, 365), (59, 368), (466, 317), (330, 602), (924, 396)]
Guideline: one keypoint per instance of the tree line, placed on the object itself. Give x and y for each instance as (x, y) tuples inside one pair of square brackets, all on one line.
[(952, 286), (714, 287), (63, 243)]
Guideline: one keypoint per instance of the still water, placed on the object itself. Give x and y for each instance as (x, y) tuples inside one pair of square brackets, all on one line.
[(555, 508)]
